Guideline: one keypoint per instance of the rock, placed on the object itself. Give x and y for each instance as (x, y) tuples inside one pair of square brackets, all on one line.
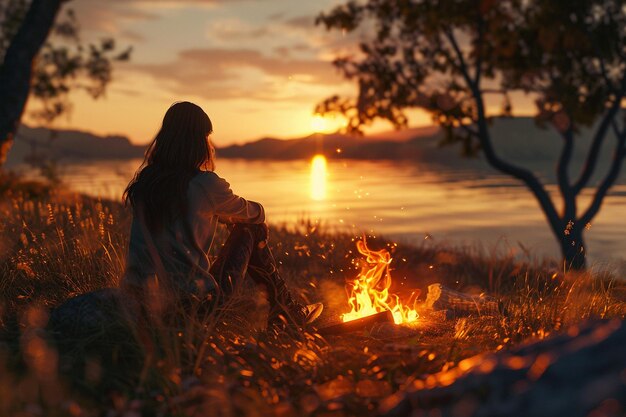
[(98, 329), (573, 374)]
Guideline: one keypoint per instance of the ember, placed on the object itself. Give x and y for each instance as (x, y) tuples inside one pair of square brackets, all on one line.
[(369, 292)]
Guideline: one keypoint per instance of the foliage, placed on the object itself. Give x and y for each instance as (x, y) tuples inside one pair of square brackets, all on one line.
[(56, 245), (449, 57), (64, 63), (569, 55)]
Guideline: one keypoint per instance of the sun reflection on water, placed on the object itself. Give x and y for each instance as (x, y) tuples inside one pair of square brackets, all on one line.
[(319, 174)]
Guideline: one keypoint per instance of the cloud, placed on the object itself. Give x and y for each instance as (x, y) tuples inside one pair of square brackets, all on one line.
[(132, 36), (111, 18), (316, 38), (277, 56), (179, 3), (234, 73), (282, 34), (110, 15), (288, 50), (301, 22), (234, 29)]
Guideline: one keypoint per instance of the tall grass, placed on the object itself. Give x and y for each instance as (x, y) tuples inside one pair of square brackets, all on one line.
[(55, 245)]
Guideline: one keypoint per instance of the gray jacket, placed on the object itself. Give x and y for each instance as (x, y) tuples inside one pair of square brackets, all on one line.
[(180, 249)]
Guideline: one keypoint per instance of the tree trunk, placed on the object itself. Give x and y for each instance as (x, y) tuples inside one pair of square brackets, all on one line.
[(16, 70), (573, 249)]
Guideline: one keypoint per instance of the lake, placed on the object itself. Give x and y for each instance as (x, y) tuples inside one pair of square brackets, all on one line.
[(409, 202)]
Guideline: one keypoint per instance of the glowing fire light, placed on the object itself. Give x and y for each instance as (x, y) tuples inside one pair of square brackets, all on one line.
[(369, 292), (318, 177)]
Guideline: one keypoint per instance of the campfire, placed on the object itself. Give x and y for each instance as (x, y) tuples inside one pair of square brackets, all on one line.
[(369, 292), (371, 302)]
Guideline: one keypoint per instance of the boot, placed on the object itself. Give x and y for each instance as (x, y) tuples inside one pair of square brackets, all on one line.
[(284, 310), (293, 314)]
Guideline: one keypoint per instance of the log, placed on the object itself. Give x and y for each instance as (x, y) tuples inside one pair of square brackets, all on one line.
[(581, 372), (458, 304), (358, 324)]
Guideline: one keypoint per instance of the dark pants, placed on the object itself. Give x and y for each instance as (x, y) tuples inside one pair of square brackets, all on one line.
[(241, 254), (246, 250)]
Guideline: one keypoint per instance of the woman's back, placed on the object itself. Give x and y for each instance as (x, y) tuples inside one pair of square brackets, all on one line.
[(177, 203), (179, 248)]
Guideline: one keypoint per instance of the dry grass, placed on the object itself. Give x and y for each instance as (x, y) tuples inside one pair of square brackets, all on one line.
[(54, 245)]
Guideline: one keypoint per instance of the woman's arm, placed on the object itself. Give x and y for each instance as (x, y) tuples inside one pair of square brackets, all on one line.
[(230, 208)]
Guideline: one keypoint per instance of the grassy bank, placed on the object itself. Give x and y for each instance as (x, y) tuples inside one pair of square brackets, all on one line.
[(55, 245)]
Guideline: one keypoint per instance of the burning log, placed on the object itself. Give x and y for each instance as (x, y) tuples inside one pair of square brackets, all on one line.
[(460, 304), (576, 374), (369, 291), (358, 324)]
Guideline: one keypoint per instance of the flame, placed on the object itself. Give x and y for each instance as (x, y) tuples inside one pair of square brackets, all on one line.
[(369, 292)]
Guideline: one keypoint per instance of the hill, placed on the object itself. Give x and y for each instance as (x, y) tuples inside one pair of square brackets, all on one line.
[(516, 139), (386, 145), (69, 145)]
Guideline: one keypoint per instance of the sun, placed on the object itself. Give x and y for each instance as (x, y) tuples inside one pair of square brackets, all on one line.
[(321, 124)]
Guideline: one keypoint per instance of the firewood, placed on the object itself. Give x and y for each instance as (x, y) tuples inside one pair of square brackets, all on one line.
[(358, 324), (459, 304)]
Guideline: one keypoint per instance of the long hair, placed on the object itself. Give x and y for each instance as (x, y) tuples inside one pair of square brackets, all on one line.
[(179, 151)]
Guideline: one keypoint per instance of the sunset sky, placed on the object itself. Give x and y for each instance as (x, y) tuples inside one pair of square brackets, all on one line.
[(257, 67)]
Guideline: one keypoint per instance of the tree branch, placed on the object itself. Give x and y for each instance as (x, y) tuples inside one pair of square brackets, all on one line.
[(494, 160), (569, 197), (521, 174), (610, 178), (596, 144), (479, 43), (461, 64), (603, 72), (605, 75)]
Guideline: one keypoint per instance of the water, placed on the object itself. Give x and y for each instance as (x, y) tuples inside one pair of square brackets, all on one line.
[(406, 201)]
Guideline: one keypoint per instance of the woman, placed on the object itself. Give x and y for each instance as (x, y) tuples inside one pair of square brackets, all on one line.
[(177, 202)]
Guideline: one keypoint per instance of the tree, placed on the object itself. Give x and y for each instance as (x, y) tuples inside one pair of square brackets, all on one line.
[(31, 65), (448, 56)]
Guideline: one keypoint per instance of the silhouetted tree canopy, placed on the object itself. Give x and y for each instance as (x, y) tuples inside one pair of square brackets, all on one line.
[(43, 55), (448, 56)]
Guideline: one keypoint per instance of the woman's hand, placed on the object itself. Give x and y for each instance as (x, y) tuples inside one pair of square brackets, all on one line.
[(261, 231), (264, 235)]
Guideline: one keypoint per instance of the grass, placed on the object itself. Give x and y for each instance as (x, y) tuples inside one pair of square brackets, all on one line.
[(55, 245)]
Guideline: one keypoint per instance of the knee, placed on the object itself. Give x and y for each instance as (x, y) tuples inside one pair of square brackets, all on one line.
[(259, 232)]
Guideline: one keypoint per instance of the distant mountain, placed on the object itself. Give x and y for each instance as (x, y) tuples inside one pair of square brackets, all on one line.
[(516, 139), (69, 145), (387, 145)]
